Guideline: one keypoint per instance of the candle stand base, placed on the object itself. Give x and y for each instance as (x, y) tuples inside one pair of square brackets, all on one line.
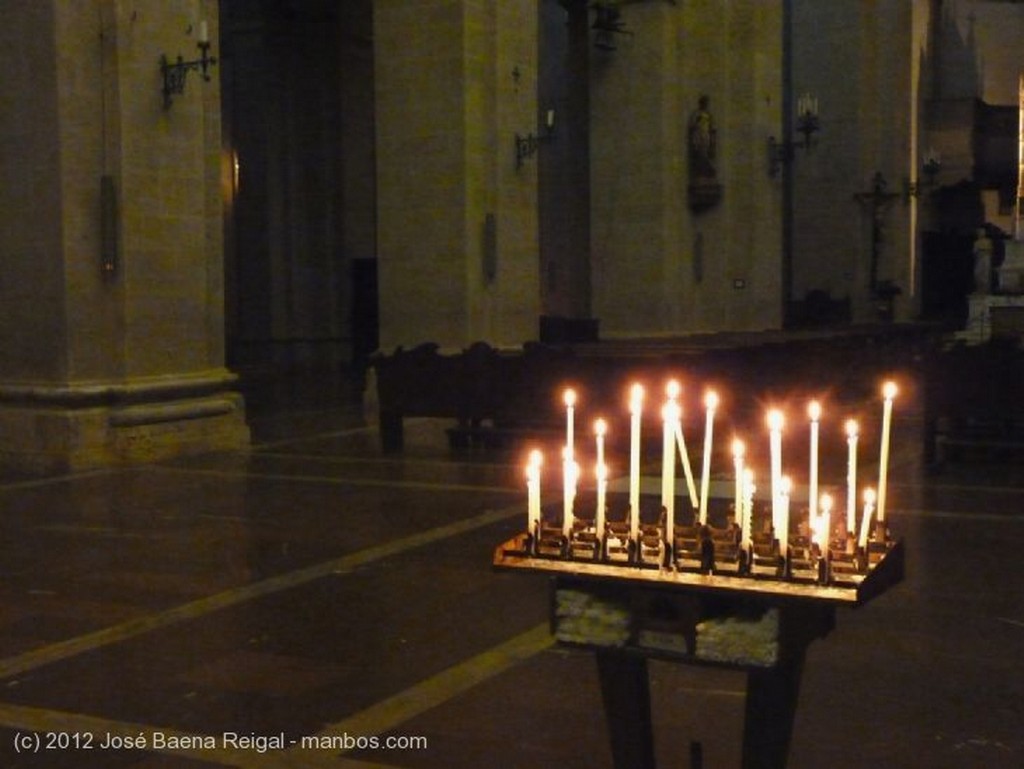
[(626, 614)]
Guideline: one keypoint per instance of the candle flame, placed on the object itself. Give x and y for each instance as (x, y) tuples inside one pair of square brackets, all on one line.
[(636, 397), (774, 419), (536, 458), (814, 411), (570, 397), (825, 504), (711, 400), (601, 471), (869, 496), (738, 448), (672, 389), (889, 390), (600, 427), (851, 428), (785, 485)]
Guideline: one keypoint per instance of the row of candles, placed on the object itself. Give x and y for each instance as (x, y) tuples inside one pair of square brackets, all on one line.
[(674, 445)]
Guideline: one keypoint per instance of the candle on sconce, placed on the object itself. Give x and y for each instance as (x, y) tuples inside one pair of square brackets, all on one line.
[(888, 394), (711, 404), (601, 473), (533, 465), (204, 32), (823, 523), (738, 450), (636, 405), (865, 521), (785, 489), (775, 445), (814, 412), (851, 477)]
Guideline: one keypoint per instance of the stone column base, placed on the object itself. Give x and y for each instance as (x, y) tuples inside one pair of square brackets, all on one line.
[(65, 428)]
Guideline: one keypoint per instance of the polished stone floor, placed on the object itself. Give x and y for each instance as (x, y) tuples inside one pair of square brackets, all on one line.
[(315, 593)]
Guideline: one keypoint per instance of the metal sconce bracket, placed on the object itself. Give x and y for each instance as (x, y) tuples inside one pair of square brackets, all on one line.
[(780, 152), (527, 146), (174, 72)]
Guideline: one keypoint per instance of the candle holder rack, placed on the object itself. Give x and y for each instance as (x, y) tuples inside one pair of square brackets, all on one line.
[(705, 550)]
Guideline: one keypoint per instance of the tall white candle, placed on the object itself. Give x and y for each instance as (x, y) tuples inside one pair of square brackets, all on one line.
[(636, 405), (823, 523), (570, 402), (670, 416), (710, 404), (775, 446), (601, 473), (533, 491), (600, 429), (865, 521), (691, 487), (785, 488), (814, 412), (748, 505), (571, 471), (204, 32), (851, 477), (738, 450), (888, 393)]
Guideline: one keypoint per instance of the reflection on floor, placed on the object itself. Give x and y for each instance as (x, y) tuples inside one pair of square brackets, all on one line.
[(311, 602)]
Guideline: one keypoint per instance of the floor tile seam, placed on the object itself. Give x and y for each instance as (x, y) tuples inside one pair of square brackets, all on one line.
[(334, 481), (31, 483), (33, 725), (62, 650), (434, 691), (406, 461)]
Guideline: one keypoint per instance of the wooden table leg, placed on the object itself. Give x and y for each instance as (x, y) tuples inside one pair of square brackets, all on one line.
[(773, 693), (625, 690)]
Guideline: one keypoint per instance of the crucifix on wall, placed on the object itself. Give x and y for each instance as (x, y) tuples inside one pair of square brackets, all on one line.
[(876, 201)]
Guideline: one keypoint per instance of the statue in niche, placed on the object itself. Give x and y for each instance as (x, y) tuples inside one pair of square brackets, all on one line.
[(702, 138)]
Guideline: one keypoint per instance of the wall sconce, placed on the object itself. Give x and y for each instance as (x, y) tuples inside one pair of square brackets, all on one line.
[(527, 146), (806, 124), (174, 72), (929, 169), (932, 166)]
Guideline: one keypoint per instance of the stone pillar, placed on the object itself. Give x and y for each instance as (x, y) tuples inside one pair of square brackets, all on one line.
[(111, 299), (457, 217)]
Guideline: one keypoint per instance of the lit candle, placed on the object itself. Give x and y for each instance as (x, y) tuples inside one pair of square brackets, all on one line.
[(888, 393), (691, 487), (738, 449), (533, 491), (636, 405), (571, 472), (570, 401), (851, 477), (670, 416), (823, 523), (775, 444), (785, 488), (600, 428), (710, 403), (601, 472), (814, 412), (865, 521), (748, 505)]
